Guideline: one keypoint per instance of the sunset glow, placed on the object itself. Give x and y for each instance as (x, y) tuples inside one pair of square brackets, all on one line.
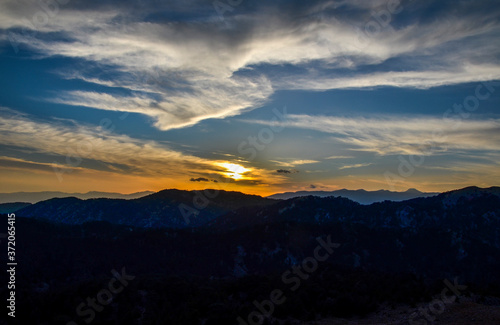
[(130, 97), (234, 171)]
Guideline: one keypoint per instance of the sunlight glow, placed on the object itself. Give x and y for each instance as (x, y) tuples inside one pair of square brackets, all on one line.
[(234, 171)]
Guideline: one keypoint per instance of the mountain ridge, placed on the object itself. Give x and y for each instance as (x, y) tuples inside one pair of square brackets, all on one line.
[(35, 197), (361, 196), (170, 208), (387, 251)]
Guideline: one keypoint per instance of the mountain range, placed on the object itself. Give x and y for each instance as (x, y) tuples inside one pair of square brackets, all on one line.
[(168, 209), (34, 197), (11, 202), (186, 209), (236, 248), (360, 196)]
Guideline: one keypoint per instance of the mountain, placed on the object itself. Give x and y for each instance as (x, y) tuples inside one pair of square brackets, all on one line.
[(34, 197), (242, 247), (167, 208), (230, 210), (472, 207), (468, 193), (360, 196), (12, 207)]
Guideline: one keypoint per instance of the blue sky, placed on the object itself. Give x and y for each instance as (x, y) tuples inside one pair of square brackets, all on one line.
[(260, 97)]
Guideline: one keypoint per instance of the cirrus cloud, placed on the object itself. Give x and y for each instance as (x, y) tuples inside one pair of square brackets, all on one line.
[(202, 69)]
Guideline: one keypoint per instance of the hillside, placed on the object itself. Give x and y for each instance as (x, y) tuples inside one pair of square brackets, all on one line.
[(387, 259), (167, 208), (12, 207)]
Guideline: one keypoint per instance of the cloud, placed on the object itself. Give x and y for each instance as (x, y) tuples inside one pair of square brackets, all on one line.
[(294, 163), (199, 179), (23, 165), (355, 166), (286, 171), (179, 73), (75, 145), (73, 148), (410, 79), (392, 135), (174, 108), (303, 162), (312, 186), (185, 70), (339, 157)]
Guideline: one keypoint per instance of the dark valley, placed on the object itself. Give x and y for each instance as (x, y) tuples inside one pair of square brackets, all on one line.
[(239, 248)]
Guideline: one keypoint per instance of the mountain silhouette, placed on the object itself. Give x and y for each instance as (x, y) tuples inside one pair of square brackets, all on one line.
[(236, 250), (168, 208), (360, 196), (34, 197)]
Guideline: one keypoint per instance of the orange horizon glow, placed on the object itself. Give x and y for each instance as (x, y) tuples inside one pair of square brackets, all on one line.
[(232, 176), (19, 181)]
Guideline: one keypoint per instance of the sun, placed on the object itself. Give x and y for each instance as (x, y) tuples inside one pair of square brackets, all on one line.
[(234, 171)]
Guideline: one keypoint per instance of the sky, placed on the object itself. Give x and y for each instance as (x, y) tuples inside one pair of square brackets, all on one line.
[(253, 96)]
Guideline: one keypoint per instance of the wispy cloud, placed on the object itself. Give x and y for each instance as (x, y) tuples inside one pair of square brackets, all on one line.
[(355, 166), (81, 142), (176, 108), (75, 146), (403, 135), (26, 165), (200, 69), (409, 79), (178, 64), (294, 163), (339, 157)]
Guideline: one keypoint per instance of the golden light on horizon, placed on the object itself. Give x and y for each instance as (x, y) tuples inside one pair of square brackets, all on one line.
[(234, 171)]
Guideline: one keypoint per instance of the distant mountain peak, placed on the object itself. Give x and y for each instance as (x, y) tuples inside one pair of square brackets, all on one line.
[(34, 197), (361, 196)]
